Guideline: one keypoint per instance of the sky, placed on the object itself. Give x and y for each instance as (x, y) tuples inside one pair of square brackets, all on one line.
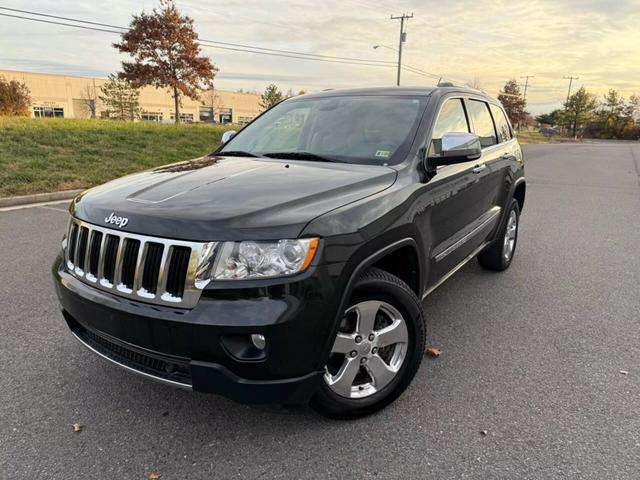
[(482, 41)]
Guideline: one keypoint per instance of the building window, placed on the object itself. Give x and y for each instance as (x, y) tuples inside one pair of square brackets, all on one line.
[(206, 115), (244, 120), (184, 117), (226, 116), (48, 112), (151, 116)]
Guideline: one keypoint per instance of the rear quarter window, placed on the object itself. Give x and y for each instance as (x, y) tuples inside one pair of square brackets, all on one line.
[(482, 123), (502, 125)]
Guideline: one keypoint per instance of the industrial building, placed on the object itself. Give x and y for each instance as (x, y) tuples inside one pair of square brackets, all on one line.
[(66, 96)]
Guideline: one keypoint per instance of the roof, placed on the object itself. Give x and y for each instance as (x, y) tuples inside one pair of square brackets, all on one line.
[(392, 91)]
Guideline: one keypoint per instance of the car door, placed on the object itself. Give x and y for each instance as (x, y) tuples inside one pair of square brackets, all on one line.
[(508, 154), (463, 211)]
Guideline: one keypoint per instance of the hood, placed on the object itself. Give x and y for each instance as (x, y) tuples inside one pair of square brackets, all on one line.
[(229, 198)]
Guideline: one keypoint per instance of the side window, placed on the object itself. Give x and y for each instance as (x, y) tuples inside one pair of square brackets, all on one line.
[(482, 123), (502, 126), (450, 119)]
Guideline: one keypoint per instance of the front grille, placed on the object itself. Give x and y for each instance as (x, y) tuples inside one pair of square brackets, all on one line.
[(160, 366), (149, 269)]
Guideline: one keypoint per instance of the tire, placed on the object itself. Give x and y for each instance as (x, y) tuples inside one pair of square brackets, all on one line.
[(385, 360), (495, 256)]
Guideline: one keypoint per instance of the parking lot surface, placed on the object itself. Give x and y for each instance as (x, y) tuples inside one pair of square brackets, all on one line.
[(532, 357)]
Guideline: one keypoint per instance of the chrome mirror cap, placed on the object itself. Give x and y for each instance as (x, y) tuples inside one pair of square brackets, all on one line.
[(459, 144)]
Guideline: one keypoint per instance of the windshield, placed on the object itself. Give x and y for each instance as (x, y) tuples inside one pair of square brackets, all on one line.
[(373, 130)]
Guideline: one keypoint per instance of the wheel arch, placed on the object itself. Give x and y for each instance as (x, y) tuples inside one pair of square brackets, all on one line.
[(395, 247)]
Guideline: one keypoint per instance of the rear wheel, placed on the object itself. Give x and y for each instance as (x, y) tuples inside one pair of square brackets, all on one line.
[(499, 254), (377, 350)]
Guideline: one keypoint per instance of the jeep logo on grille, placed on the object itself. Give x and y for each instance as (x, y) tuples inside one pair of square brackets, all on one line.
[(115, 220)]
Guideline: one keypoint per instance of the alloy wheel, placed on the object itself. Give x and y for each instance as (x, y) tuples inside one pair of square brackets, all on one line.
[(369, 350), (510, 236)]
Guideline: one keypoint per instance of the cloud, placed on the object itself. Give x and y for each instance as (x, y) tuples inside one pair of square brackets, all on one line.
[(596, 40)]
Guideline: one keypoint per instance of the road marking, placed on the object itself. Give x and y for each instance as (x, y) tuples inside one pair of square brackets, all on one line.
[(33, 205)]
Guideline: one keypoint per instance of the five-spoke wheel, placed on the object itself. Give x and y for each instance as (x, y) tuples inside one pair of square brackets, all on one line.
[(368, 351)]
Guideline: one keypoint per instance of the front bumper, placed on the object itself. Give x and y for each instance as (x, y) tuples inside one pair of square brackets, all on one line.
[(205, 348)]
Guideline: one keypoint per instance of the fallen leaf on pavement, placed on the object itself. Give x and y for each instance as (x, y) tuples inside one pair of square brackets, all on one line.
[(77, 427), (154, 476), (434, 352)]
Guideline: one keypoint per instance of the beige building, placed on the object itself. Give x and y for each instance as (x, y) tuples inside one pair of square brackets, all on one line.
[(65, 96)]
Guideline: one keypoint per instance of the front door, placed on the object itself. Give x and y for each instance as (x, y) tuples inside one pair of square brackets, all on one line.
[(464, 209)]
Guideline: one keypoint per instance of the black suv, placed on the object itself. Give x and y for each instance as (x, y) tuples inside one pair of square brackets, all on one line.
[(290, 264)]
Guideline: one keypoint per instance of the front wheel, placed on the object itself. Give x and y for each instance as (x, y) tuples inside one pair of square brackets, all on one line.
[(377, 351)]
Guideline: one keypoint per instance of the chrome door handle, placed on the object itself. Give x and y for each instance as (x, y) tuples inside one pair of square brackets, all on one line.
[(479, 168)]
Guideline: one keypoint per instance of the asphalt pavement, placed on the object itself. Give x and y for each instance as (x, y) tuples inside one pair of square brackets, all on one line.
[(532, 357)]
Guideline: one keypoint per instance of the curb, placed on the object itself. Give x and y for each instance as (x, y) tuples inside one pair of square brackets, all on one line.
[(38, 198)]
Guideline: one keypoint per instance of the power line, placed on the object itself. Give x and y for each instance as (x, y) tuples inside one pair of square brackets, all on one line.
[(59, 23), (236, 47), (201, 40)]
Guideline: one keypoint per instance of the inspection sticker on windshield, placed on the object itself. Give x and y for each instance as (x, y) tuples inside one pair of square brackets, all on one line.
[(383, 153)]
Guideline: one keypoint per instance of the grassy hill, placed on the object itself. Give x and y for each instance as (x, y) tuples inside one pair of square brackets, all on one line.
[(46, 155)]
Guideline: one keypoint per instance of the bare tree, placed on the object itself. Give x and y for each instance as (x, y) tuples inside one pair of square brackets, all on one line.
[(89, 99), (210, 99)]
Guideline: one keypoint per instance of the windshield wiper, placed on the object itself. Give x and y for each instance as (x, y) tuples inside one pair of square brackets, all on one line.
[(235, 153), (299, 156)]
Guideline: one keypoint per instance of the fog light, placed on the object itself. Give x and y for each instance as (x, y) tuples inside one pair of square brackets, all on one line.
[(258, 341)]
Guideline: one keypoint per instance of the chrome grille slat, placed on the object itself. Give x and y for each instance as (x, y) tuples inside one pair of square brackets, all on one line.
[(117, 274), (190, 254), (101, 256), (137, 277)]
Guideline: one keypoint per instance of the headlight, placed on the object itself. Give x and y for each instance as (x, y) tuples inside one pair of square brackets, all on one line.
[(254, 260)]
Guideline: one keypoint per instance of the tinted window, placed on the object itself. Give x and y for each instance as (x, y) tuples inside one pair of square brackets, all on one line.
[(482, 123), (502, 126), (369, 129), (451, 119)]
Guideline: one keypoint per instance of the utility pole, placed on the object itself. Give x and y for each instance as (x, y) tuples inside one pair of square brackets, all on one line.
[(526, 84), (571, 79), (403, 38)]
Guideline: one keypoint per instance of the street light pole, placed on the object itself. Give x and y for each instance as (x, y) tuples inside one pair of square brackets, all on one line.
[(403, 38)]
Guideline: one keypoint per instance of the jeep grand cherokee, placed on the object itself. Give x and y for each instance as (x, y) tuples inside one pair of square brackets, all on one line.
[(289, 265)]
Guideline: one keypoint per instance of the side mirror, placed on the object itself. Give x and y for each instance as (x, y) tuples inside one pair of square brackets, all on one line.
[(228, 135), (457, 147)]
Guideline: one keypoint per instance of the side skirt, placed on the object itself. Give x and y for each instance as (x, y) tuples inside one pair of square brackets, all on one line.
[(455, 269)]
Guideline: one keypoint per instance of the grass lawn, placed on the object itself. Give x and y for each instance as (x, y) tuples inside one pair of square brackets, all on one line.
[(527, 137), (47, 155)]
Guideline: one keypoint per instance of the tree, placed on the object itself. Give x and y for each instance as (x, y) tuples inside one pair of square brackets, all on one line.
[(475, 84), (271, 96), (634, 106), (121, 100), (165, 54), (15, 98), (579, 109), (89, 100), (210, 100), (513, 102), (553, 118)]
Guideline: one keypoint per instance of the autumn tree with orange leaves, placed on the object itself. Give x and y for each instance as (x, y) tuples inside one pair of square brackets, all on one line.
[(166, 54)]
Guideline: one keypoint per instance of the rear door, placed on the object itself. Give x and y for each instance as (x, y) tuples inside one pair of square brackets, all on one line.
[(510, 153)]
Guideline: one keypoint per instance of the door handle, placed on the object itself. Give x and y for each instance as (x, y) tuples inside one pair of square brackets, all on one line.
[(479, 168)]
